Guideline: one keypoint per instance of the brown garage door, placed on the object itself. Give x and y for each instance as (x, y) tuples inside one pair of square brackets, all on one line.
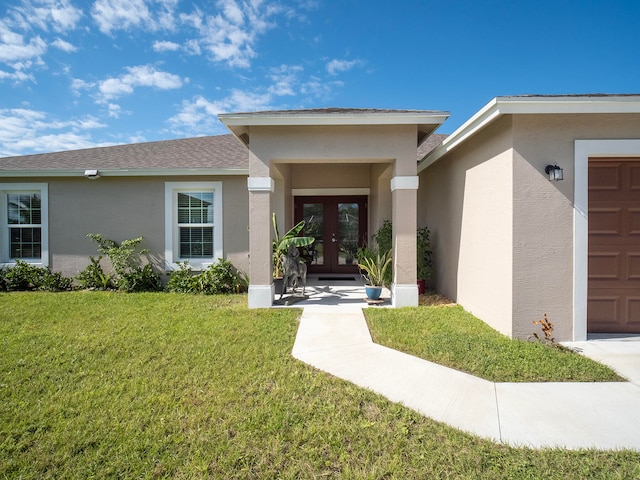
[(614, 246)]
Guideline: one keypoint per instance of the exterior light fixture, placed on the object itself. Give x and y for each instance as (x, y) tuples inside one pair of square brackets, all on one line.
[(92, 174), (555, 172)]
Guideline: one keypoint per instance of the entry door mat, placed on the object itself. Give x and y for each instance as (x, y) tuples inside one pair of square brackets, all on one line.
[(337, 279)]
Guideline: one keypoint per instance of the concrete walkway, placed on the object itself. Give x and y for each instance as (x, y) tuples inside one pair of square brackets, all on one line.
[(335, 339)]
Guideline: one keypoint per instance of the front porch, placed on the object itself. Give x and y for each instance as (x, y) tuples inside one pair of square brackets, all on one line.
[(333, 154)]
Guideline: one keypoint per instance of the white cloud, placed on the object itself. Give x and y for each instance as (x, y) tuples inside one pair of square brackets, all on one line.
[(199, 116), (127, 14), (319, 89), (18, 76), (77, 85), (59, 15), (165, 46), (229, 36), (139, 76), (114, 110), (336, 66), (193, 47), (120, 14), (284, 79), (24, 130), (20, 47), (13, 46), (63, 45)]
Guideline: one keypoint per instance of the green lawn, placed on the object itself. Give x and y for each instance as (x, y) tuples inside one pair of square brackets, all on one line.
[(107, 385), (450, 336)]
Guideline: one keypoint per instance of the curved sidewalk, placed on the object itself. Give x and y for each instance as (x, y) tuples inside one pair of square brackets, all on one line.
[(336, 339)]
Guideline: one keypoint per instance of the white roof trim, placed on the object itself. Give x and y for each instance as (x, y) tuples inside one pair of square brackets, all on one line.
[(136, 172), (346, 118), (499, 106)]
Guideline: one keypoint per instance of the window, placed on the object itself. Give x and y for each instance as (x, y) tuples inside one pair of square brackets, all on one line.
[(193, 222), (23, 223)]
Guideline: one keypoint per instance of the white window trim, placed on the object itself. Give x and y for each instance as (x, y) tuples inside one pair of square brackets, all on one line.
[(43, 188), (171, 190)]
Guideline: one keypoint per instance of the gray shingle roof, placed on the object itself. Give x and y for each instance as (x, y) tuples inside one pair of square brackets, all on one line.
[(430, 143), (215, 152)]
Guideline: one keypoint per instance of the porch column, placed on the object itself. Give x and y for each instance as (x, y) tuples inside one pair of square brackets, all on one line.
[(261, 288), (404, 198)]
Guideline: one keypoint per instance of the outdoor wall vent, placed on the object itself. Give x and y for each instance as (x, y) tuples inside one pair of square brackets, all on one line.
[(92, 174), (555, 172)]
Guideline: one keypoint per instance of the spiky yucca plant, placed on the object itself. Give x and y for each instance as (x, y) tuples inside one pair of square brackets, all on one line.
[(375, 268)]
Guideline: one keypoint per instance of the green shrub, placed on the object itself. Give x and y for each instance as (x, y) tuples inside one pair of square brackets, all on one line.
[(140, 279), (128, 273), (93, 276), (24, 277), (3, 280), (221, 277), (384, 237), (181, 280), (55, 282)]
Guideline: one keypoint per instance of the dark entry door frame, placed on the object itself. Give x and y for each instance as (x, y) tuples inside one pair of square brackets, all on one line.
[(339, 224)]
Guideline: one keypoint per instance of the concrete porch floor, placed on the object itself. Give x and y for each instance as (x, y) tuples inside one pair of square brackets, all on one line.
[(333, 337), (331, 290)]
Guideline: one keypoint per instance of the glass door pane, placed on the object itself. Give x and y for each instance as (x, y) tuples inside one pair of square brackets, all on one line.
[(313, 215), (348, 232)]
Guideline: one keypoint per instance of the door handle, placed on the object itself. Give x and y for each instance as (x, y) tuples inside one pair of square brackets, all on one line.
[(333, 238)]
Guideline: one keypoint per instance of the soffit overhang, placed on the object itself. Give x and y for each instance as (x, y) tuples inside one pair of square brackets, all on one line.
[(532, 104), (426, 121)]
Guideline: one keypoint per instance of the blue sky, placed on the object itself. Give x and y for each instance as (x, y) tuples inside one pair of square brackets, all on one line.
[(81, 73)]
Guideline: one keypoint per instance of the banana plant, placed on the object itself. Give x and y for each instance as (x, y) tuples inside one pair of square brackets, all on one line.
[(281, 244)]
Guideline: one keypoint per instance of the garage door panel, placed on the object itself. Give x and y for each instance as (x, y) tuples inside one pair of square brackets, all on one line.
[(605, 221), (604, 176), (605, 266), (634, 221), (633, 312), (634, 176), (613, 299), (633, 266), (602, 308)]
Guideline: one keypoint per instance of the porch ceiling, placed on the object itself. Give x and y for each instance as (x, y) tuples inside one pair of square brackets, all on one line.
[(426, 121)]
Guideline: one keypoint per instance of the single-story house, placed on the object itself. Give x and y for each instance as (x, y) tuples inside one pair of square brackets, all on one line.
[(510, 244)]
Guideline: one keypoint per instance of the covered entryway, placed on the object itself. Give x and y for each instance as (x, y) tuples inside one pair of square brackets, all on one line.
[(320, 151), (613, 303), (339, 225)]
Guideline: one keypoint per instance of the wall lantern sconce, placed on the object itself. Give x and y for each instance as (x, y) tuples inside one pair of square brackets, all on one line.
[(555, 172), (92, 174)]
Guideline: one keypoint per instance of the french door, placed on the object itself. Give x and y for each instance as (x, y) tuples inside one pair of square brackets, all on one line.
[(339, 225)]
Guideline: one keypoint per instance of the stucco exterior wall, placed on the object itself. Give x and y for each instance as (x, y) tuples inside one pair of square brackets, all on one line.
[(543, 213), (123, 208), (332, 175), (380, 197), (333, 143), (503, 234), (466, 199)]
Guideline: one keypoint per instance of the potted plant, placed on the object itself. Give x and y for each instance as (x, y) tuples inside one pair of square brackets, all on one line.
[(424, 258), (375, 267), (350, 250), (281, 245)]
